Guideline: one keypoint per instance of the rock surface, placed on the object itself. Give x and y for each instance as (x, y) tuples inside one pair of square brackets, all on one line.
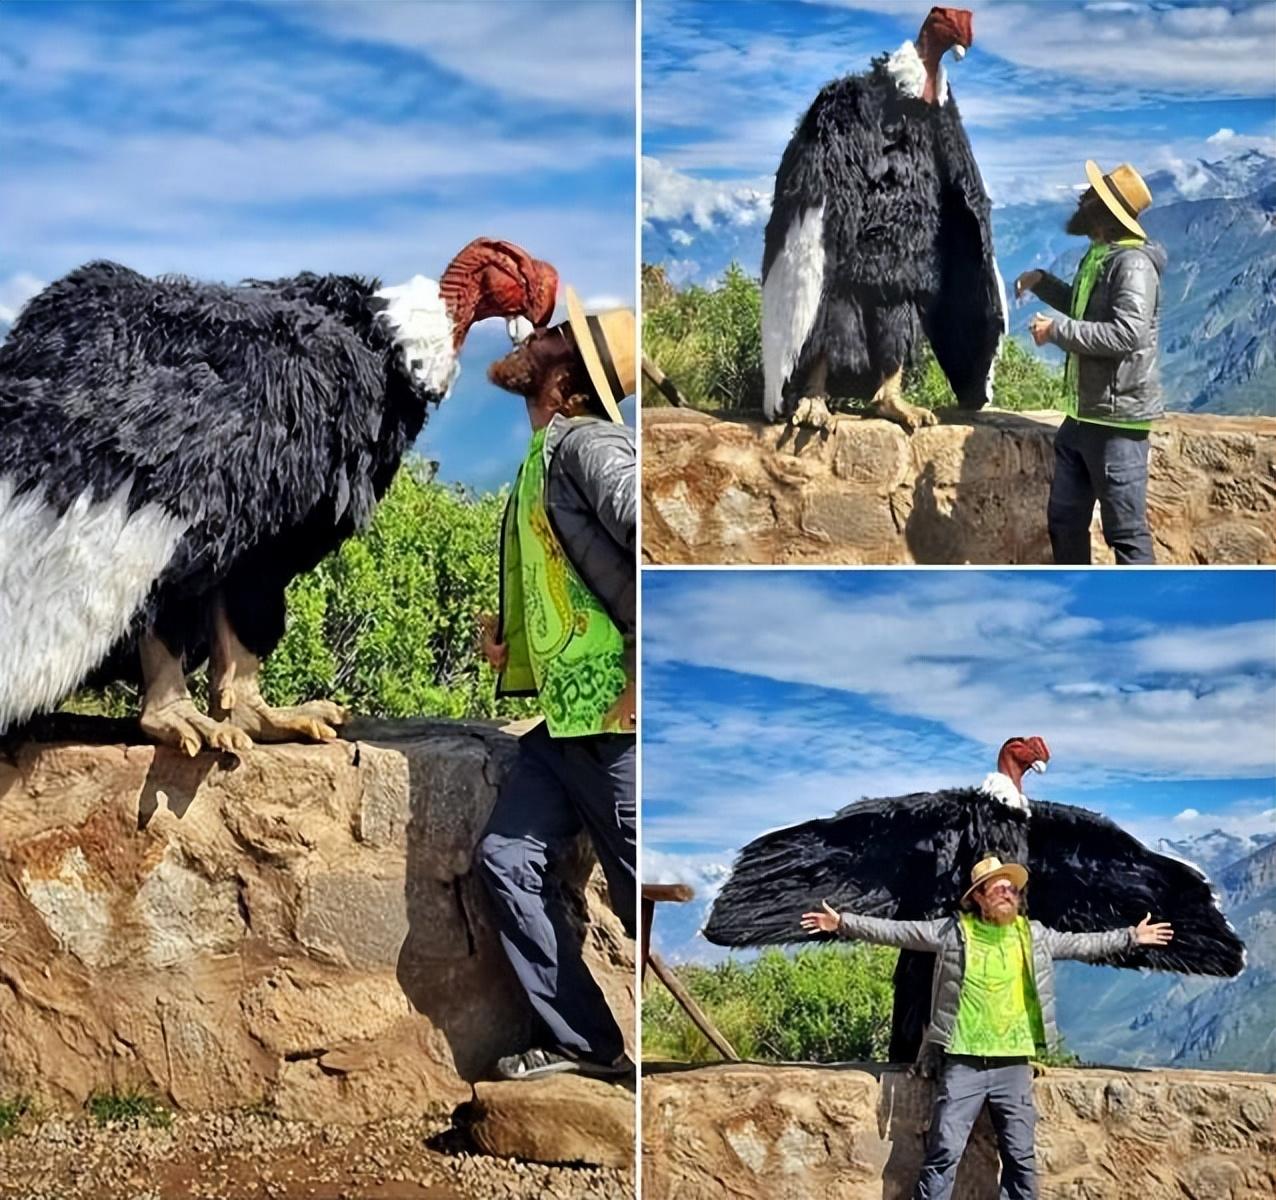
[(559, 1119), (856, 1132), (971, 489), (298, 929)]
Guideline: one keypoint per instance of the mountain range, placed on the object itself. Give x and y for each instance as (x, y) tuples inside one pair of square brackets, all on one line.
[(1122, 1017), (1217, 221)]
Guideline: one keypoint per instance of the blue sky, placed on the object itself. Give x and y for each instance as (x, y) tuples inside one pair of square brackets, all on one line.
[(249, 139), (1045, 86), (771, 697)]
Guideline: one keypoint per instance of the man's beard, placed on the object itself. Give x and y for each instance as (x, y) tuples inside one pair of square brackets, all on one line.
[(517, 372), (1003, 914)]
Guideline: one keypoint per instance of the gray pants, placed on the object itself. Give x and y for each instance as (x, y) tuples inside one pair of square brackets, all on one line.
[(965, 1085), (557, 787), (1099, 462)]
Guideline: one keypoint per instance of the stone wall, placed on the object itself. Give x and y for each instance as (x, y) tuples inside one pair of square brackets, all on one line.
[(971, 489), (855, 1133), (299, 929)]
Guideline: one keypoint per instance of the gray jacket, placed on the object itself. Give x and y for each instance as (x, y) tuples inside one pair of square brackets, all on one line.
[(943, 938), (1116, 343)]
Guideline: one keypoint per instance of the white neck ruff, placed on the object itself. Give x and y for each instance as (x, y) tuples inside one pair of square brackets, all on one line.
[(1001, 787), (419, 319), (908, 71)]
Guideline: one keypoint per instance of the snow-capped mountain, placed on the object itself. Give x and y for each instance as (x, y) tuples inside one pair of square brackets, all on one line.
[(1216, 850), (1216, 219)]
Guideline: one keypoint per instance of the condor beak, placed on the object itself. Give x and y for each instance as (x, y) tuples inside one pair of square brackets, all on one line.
[(959, 51), (519, 329), (1039, 767)]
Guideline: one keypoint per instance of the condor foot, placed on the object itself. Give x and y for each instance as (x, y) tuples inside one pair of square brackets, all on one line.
[(180, 724), (892, 407), (811, 412), (244, 708)]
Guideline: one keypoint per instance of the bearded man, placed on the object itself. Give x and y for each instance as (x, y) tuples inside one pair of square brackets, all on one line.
[(1109, 330), (565, 633), (992, 1011)]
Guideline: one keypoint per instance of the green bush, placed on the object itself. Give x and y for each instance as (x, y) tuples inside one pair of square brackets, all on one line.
[(709, 342), (386, 624), (822, 1004)]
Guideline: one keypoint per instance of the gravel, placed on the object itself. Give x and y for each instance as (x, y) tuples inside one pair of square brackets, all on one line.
[(249, 1156)]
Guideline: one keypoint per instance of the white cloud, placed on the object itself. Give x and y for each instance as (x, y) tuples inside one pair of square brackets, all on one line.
[(1223, 135), (1188, 814), (669, 195), (15, 292), (530, 51), (986, 659)]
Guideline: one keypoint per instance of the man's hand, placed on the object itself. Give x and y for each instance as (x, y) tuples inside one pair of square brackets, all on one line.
[(496, 653), (1041, 327), (824, 921), (1148, 934), (622, 717), (1027, 281)]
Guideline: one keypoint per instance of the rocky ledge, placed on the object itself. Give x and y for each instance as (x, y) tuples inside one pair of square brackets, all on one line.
[(855, 1132), (297, 931), (970, 489)]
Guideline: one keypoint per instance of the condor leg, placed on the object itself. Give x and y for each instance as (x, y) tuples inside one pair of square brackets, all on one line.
[(168, 713), (234, 692), (888, 402), (811, 410)]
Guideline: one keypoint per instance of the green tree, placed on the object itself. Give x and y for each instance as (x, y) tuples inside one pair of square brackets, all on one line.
[(822, 1004)]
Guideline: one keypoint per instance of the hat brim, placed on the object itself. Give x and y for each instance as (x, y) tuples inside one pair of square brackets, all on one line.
[(1012, 871), (579, 322), (1109, 198)]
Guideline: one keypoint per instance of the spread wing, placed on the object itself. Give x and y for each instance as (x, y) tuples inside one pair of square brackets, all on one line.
[(968, 315), (1088, 874), (893, 857)]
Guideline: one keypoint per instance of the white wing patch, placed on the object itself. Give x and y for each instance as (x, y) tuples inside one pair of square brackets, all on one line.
[(419, 318), (790, 301), (69, 586)]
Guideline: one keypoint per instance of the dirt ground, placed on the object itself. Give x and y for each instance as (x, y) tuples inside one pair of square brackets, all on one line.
[(243, 1156)]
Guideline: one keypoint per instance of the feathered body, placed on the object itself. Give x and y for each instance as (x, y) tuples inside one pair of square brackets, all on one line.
[(880, 232), (910, 857), (167, 444)]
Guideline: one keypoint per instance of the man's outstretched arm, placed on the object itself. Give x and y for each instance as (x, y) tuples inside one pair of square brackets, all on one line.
[(907, 935), (1098, 947)]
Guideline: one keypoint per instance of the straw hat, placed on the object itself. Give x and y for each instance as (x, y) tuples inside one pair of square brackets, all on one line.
[(1123, 191), (990, 868), (608, 346)]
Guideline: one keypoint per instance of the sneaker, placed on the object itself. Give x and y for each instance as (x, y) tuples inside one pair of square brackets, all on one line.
[(532, 1064)]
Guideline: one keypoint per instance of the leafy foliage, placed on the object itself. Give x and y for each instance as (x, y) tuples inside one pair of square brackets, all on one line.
[(822, 1004), (128, 1107), (12, 1111), (709, 342), (386, 624)]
